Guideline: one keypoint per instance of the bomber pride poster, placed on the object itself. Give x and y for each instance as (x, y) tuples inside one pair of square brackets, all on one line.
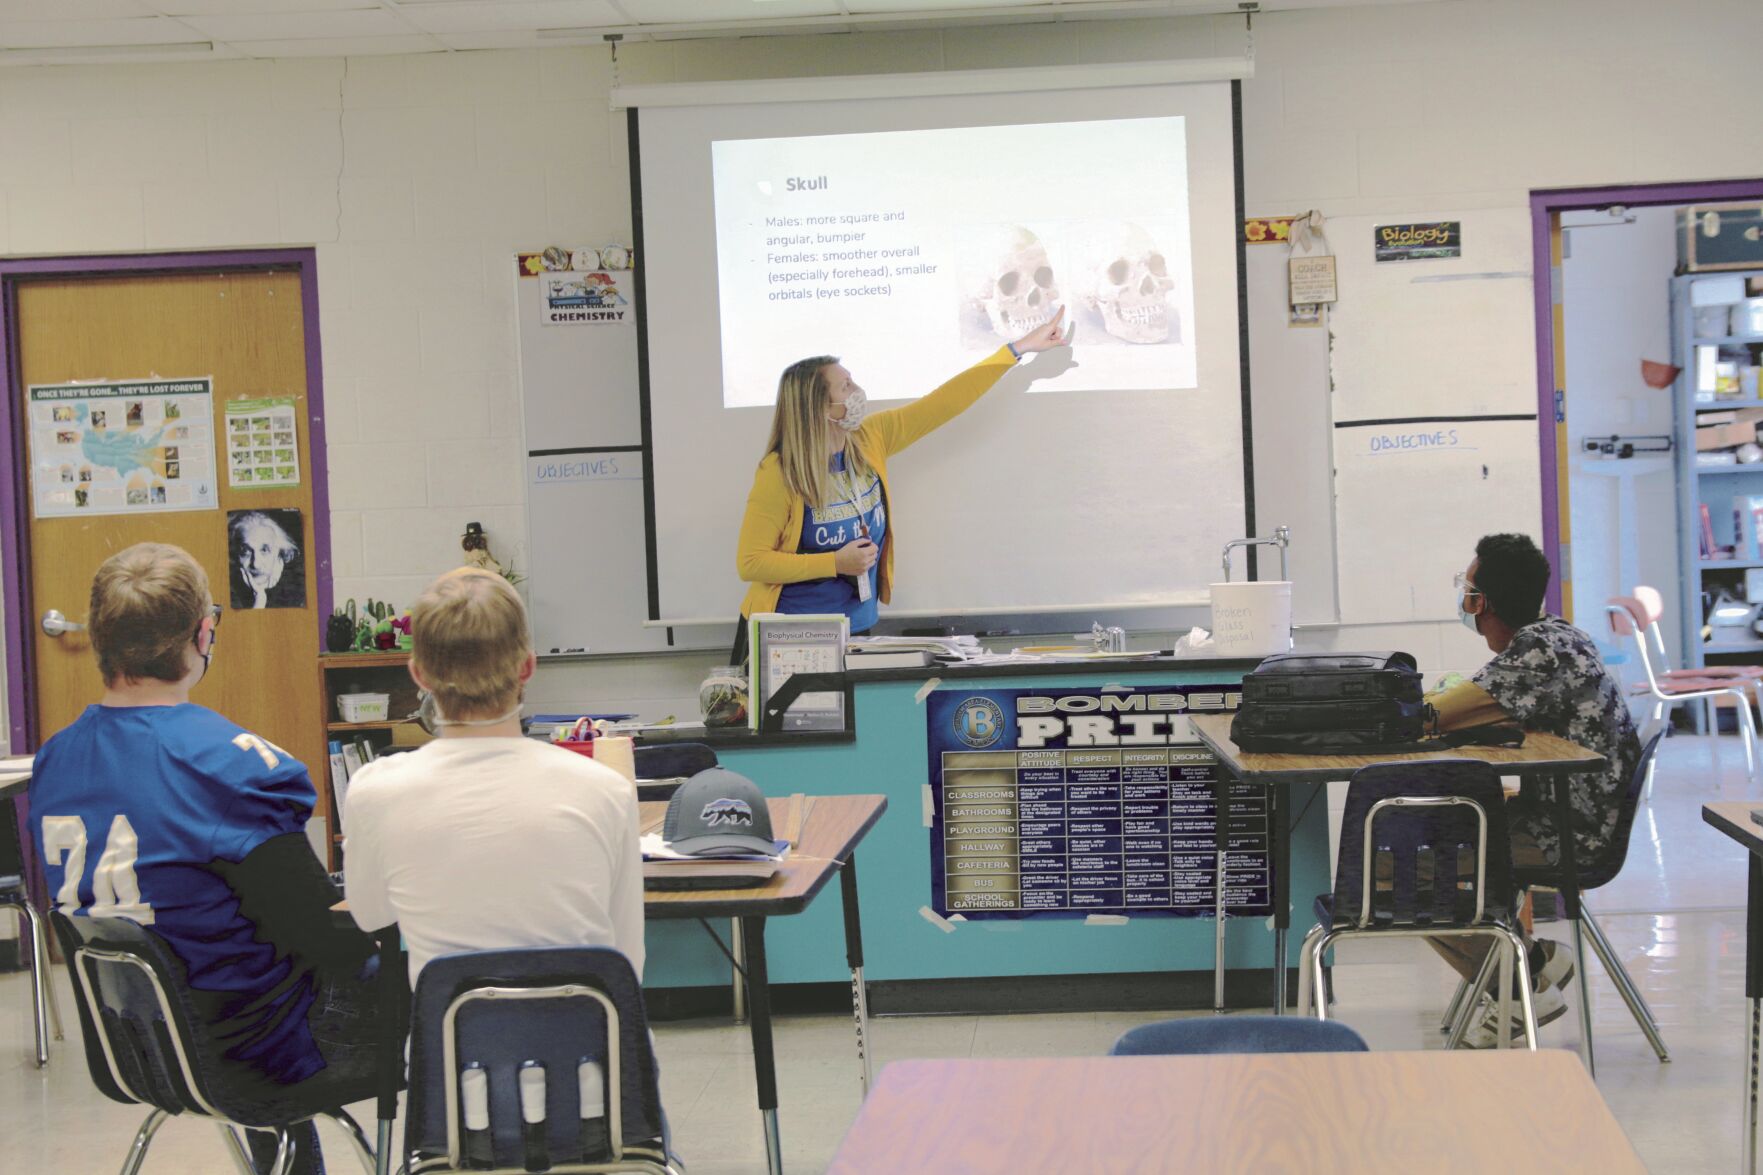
[(1064, 803)]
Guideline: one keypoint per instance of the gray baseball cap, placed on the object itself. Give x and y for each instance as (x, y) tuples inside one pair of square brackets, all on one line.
[(717, 811)]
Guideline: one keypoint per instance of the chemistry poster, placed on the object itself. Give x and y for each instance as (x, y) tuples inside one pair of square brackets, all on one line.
[(122, 448), (1071, 802)]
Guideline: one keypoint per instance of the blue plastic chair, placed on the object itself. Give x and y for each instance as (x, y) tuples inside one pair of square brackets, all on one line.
[(147, 1044), (1238, 1034), (508, 1010), (1424, 852)]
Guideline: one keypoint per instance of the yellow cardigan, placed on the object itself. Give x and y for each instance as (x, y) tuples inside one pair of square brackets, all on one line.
[(771, 530)]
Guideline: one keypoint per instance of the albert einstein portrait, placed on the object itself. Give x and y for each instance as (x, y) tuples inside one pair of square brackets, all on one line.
[(263, 559)]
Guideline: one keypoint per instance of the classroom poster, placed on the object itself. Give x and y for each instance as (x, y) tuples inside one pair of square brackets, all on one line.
[(574, 299), (261, 444), (1069, 802), (139, 447)]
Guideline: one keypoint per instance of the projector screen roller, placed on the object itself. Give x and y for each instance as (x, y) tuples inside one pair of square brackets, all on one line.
[(960, 240), (932, 230)]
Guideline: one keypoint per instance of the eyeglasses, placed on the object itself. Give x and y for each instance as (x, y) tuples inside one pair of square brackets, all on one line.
[(1462, 584)]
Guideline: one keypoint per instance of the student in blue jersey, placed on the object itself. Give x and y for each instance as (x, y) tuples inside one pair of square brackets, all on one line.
[(152, 808)]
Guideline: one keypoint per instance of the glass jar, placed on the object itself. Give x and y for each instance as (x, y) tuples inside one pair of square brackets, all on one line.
[(722, 698)]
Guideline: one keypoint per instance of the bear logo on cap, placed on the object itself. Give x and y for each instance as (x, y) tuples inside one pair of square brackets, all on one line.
[(727, 811)]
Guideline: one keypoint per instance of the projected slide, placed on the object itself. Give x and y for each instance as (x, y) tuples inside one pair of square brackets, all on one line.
[(912, 254)]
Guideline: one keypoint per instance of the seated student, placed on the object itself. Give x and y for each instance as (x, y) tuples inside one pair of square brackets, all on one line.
[(1547, 676), (151, 808), (484, 839)]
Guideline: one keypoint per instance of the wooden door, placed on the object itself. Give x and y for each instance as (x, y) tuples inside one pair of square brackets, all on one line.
[(244, 329)]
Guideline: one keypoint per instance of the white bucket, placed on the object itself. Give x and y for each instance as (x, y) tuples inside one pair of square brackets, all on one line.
[(1252, 619)]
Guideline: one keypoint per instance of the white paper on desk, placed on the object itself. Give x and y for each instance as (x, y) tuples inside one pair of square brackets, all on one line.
[(655, 849)]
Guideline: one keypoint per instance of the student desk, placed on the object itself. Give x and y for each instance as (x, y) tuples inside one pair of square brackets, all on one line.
[(828, 845), (1430, 1111), (1734, 820), (1540, 754)]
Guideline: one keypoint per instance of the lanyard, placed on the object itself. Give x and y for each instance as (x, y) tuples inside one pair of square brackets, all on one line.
[(852, 494)]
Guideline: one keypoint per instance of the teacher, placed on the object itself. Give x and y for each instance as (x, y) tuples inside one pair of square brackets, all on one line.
[(816, 536)]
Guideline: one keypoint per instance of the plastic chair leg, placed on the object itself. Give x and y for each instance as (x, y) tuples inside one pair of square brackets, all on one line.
[(131, 1165), (241, 1157), (28, 920), (1306, 983), (357, 1138), (1625, 986)]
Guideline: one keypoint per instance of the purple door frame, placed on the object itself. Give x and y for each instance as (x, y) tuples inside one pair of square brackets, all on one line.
[(1543, 204), (20, 610)]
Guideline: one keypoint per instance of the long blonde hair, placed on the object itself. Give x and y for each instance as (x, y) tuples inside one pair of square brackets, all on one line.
[(800, 432)]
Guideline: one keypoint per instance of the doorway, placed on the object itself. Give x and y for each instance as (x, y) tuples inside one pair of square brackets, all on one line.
[(174, 398)]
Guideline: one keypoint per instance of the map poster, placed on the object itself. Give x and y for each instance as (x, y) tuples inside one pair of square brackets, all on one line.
[(122, 448), (261, 453), (1067, 802)]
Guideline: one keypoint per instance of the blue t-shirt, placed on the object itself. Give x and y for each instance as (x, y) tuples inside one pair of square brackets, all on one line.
[(136, 812), (829, 527)]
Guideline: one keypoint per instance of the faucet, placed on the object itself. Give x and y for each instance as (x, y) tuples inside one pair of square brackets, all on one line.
[(1282, 538)]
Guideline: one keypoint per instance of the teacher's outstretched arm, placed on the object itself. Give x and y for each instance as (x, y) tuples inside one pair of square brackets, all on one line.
[(897, 428)]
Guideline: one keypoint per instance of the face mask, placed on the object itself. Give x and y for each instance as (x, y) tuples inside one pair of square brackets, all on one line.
[(856, 408), (1470, 619), (208, 657)]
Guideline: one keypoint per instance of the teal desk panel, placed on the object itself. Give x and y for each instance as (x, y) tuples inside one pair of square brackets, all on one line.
[(890, 757)]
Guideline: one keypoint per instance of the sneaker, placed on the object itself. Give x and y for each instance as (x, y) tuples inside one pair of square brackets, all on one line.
[(1557, 968), (1549, 1005)]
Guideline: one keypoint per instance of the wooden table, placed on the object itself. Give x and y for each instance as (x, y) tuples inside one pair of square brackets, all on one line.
[(1308, 1112), (1541, 754), (1734, 820), (828, 845)]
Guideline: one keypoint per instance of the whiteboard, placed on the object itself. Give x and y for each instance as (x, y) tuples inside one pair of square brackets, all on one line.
[(1435, 437), (578, 383), (587, 530)]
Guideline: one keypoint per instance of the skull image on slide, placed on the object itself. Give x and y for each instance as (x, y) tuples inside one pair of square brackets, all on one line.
[(1130, 287), (1019, 290)]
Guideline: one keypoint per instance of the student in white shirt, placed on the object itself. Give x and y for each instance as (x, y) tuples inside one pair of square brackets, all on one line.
[(484, 839)]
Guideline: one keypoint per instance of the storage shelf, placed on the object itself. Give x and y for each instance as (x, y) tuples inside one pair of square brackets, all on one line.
[(1728, 403), (346, 727), (1728, 340), (346, 660), (1730, 564), (1728, 470), (1715, 648)]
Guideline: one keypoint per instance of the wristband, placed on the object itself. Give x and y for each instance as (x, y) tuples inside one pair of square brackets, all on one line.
[(1014, 353)]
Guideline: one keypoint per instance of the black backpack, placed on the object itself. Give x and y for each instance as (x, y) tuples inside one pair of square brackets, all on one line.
[(1321, 703)]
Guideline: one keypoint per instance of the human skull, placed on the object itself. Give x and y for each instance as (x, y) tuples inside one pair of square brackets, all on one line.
[(1131, 289), (1019, 292)]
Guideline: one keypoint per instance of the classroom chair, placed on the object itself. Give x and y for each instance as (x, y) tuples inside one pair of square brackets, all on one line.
[(45, 1009), (533, 1059), (1632, 616), (673, 760), (1599, 871), (145, 1045), (1238, 1034), (1424, 853)]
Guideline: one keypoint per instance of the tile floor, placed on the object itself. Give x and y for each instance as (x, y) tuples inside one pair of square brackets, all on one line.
[(1675, 916)]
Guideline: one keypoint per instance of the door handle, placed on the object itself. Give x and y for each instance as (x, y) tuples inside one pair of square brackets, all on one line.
[(54, 623)]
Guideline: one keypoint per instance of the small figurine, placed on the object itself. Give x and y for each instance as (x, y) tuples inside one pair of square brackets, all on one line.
[(476, 545)]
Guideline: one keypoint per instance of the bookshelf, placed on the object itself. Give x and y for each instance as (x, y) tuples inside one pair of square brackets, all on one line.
[(362, 673), (1718, 489)]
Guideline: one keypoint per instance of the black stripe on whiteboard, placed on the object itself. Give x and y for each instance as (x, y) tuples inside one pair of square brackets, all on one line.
[(585, 449), (639, 289), (1236, 144), (1389, 420)]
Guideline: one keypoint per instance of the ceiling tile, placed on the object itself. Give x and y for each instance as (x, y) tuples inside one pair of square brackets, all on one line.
[(14, 10), (525, 15), (339, 46), (234, 7), (648, 12), (146, 30), (270, 26)]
